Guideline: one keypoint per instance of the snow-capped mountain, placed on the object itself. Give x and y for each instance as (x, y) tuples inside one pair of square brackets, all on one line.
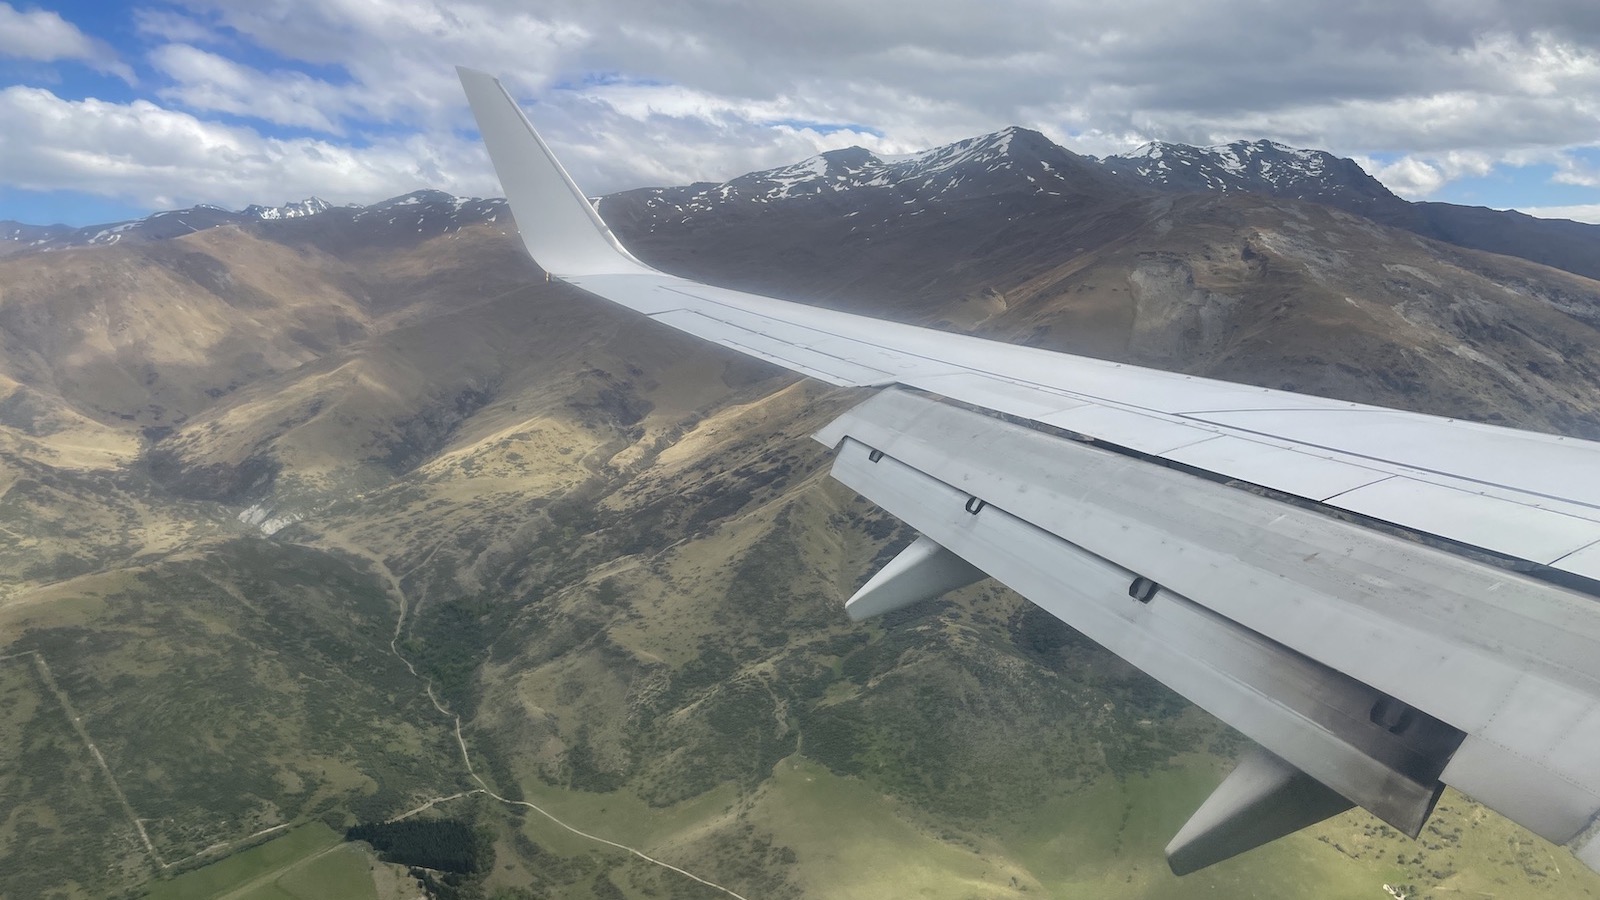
[(307, 207), (1008, 172), (1260, 167), (19, 234), (430, 210), (1018, 161), (1014, 161), (159, 226), (1266, 167), (421, 212)]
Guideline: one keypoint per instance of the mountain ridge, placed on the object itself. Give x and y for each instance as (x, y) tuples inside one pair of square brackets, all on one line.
[(1261, 166), (18, 237), (1011, 161)]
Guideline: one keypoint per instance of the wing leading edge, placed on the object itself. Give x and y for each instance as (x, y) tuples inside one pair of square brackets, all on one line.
[(1372, 670)]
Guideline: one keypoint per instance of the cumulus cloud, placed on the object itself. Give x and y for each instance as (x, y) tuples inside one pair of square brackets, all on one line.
[(143, 153), (603, 155), (1573, 171), (645, 93), (44, 36), (170, 26), (211, 82), (398, 57), (1588, 212), (1417, 177), (1430, 77)]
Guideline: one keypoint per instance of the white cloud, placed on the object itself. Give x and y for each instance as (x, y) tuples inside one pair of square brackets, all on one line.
[(1410, 177), (173, 27), (1427, 78), (44, 36), (1416, 177), (1589, 212), (1572, 171), (399, 56), (142, 153), (210, 82), (644, 93)]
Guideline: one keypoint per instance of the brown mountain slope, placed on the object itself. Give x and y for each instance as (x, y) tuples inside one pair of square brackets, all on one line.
[(1280, 293), (152, 334), (1308, 298)]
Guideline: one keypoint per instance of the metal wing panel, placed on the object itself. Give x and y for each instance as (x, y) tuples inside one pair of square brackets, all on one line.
[(1325, 453), (775, 348), (1585, 562), (1134, 429), (1290, 573), (1513, 662), (1542, 465), (648, 294), (1215, 663), (1286, 469), (1025, 400), (1516, 529)]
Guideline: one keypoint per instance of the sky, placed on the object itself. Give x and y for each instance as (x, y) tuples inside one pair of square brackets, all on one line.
[(111, 111)]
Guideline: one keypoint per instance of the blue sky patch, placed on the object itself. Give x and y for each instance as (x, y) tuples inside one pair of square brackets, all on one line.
[(65, 207)]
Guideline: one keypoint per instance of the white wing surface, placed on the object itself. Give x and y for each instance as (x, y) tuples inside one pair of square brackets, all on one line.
[(1447, 633)]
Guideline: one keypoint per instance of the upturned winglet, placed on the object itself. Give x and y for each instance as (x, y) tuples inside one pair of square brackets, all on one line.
[(559, 225)]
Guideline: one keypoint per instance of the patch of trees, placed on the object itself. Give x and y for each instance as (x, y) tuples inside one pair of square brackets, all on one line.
[(445, 845), (457, 633)]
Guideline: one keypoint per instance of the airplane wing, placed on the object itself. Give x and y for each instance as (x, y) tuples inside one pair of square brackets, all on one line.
[(1386, 602)]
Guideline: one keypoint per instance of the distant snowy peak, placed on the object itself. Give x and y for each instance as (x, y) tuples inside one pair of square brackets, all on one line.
[(307, 207), (428, 213), (432, 206), (419, 214), (1014, 160), (19, 233), (1012, 163), (424, 197), (1225, 165), (1261, 167)]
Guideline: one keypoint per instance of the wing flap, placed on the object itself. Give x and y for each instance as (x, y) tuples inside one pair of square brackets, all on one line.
[(1298, 709), (1506, 659)]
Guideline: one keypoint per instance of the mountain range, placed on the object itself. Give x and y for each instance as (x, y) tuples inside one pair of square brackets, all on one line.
[(311, 520), (977, 166)]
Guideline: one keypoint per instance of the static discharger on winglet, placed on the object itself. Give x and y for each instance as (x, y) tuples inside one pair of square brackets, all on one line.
[(1370, 669)]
